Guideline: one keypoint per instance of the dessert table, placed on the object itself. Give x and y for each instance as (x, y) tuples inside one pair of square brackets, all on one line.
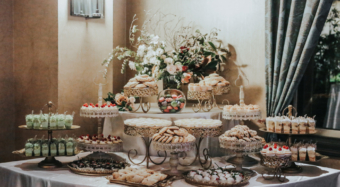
[(26, 173)]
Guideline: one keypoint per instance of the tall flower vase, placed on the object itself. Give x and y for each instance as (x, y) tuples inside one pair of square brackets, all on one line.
[(170, 83)]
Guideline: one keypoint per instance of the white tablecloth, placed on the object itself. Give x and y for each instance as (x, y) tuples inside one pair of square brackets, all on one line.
[(26, 173), (115, 127)]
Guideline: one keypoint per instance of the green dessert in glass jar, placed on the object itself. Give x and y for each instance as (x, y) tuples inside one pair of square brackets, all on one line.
[(44, 148), (53, 122), (37, 148), (44, 121), (53, 147), (29, 147), (68, 121), (61, 147), (70, 147), (29, 121), (36, 121), (61, 121)]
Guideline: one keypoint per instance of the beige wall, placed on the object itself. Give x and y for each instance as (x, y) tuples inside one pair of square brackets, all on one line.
[(83, 44), (7, 116), (242, 26), (35, 60)]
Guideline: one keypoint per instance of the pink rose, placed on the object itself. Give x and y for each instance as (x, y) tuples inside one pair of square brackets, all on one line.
[(171, 69)]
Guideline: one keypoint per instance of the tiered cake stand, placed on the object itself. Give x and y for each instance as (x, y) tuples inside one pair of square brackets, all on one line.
[(242, 116), (146, 133), (292, 167), (217, 90), (145, 92), (174, 150), (202, 133), (50, 161)]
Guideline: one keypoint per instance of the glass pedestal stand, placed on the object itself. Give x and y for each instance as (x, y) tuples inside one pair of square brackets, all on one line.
[(174, 150), (202, 133), (145, 133), (145, 92), (200, 96), (239, 160)]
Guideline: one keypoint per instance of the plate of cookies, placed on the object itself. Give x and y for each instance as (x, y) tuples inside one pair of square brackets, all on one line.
[(140, 177)]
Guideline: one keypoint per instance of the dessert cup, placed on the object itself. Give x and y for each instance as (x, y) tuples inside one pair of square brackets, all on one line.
[(29, 121), (61, 121), (302, 125), (70, 147), (294, 157), (44, 121), (270, 124), (28, 148), (36, 122), (68, 121), (53, 148), (37, 148), (61, 147), (44, 148), (302, 153), (286, 125), (278, 124), (53, 122), (295, 126)]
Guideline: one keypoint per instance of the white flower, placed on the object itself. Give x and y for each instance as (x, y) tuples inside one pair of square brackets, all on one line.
[(134, 29), (132, 99), (154, 39), (132, 65), (139, 39), (171, 69), (179, 66), (151, 53), (159, 52), (169, 61), (140, 51), (145, 61), (154, 61), (162, 44)]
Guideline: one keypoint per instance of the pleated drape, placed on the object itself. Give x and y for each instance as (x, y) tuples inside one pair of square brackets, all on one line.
[(293, 28)]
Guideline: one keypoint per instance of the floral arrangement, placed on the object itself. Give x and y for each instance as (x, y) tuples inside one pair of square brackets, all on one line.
[(123, 103), (190, 54)]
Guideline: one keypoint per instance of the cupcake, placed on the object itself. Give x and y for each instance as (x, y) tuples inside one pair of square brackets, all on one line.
[(280, 153), (270, 152)]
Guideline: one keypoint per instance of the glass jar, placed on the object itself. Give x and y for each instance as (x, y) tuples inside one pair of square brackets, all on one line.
[(171, 101)]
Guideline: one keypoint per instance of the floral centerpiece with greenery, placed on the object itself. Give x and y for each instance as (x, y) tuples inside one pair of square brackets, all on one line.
[(183, 54)]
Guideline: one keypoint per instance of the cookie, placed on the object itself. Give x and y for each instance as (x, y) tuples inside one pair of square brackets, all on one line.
[(180, 140), (181, 132), (169, 139), (170, 131), (131, 84), (160, 140), (175, 139), (133, 79), (140, 86), (157, 137), (173, 128), (150, 84), (165, 139), (166, 134), (163, 130)]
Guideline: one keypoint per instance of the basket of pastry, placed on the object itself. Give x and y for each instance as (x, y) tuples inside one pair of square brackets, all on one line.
[(241, 138), (173, 139), (144, 127), (216, 83), (141, 86), (216, 177), (140, 177), (275, 156)]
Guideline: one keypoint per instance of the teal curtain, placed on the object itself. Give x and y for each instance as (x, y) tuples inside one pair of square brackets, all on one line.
[(293, 28)]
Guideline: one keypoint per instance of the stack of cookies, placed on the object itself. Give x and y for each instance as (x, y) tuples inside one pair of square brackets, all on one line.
[(173, 135), (142, 176), (141, 82)]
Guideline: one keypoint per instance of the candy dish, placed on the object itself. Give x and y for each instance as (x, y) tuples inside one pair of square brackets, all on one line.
[(171, 101)]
